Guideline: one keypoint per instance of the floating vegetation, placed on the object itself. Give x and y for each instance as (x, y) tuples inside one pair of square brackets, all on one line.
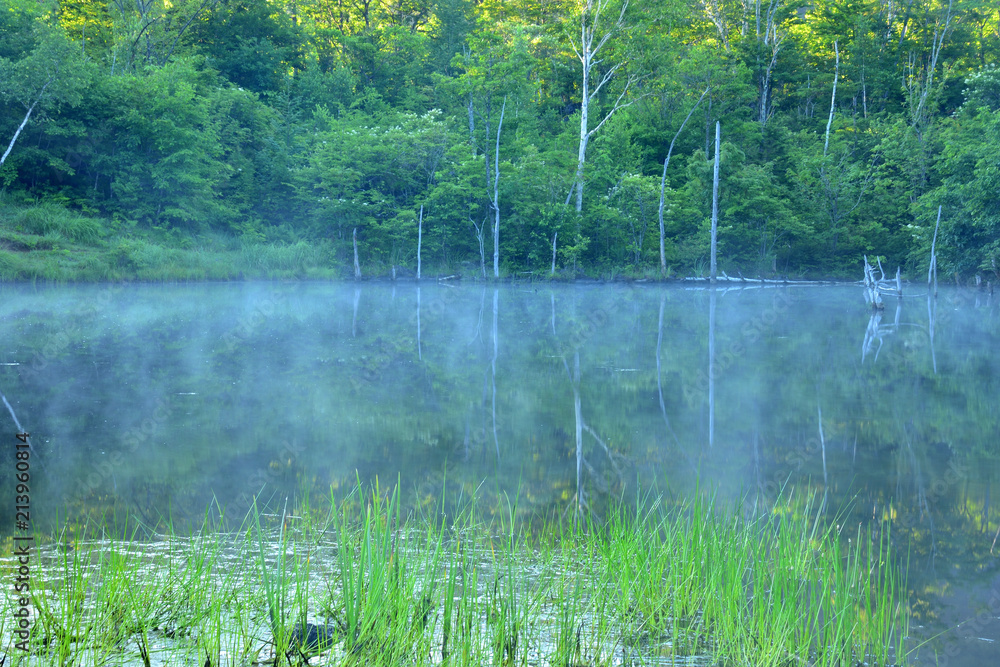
[(356, 581)]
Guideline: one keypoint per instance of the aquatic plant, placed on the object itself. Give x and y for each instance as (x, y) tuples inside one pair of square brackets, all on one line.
[(360, 581)]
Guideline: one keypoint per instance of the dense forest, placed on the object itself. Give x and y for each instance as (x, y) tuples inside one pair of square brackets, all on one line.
[(510, 137)]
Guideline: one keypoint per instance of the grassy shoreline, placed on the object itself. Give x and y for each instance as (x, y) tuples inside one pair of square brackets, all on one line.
[(50, 243), (651, 582)]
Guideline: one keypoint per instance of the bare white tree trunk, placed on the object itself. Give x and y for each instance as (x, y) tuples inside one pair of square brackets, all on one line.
[(481, 238), (833, 98), (713, 10), (357, 266), (593, 37), (496, 196), (932, 269), (919, 83), (663, 183), (920, 86), (581, 155), (24, 122), (769, 37), (554, 237), (715, 201), (420, 237)]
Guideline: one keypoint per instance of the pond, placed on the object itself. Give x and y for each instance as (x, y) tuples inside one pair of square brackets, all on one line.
[(160, 401)]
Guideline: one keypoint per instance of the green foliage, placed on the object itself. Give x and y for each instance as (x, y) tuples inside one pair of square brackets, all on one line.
[(983, 90), (166, 148), (287, 122), (41, 74), (252, 43), (969, 169)]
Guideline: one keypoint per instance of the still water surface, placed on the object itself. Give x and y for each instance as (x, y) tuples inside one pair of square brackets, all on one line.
[(168, 399)]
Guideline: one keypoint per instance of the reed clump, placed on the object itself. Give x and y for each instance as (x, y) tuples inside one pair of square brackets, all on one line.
[(358, 580)]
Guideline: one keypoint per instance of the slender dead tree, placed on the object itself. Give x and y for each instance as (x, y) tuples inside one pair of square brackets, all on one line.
[(496, 195), (770, 42), (715, 201), (715, 14), (481, 238), (919, 84), (594, 36), (206, 4), (920, 81), (833, 98), (663, 184), (932, 269), (554, 237), (420, 237), (765, 17), (27, 117), (357, 266)]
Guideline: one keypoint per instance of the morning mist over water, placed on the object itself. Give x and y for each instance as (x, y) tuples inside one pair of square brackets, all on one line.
[(164, 400)]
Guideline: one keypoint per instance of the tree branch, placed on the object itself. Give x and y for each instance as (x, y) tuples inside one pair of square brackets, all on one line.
[(185, 27), (24, 122), (604, 79), (618, 105)]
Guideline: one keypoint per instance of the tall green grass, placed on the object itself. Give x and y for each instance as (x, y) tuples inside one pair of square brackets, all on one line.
[(53, 220), (652, 581), (273, 260), (47, 241)]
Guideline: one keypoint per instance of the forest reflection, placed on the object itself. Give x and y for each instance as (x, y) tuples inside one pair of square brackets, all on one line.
[(164, 400)]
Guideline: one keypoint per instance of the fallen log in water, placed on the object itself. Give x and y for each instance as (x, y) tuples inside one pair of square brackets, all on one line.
[(724, 278), (876, 287)]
